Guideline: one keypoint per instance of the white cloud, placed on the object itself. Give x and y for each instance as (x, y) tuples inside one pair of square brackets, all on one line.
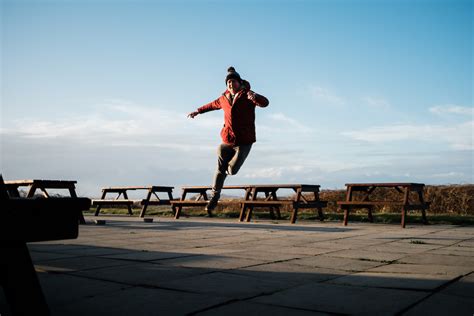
[(459, 136), (377, 103), (324, 96), (284, 121), (448, 174), (124, 124), (452, 109)]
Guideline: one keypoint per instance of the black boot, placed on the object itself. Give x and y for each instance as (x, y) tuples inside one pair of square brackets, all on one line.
[(211, 205)]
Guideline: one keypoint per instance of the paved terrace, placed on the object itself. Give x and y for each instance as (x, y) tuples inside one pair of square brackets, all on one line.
[(220, 267)]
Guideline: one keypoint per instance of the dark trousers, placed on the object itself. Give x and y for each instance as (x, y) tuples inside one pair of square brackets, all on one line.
[(229, 160)]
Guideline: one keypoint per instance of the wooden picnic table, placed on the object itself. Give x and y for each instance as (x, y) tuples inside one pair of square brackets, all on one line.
[(367, 189), (42, 185), (250, 198), (272, 200), (151, 190)]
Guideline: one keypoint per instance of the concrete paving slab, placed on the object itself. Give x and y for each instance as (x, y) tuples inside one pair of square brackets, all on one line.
[(442, 304), (54, 247), (407, 248), (346, 264), (352, 300), (228, 285), (216, 262), (142, 274), (267, 256), (337, 245), (78, 264), (467, 243), (152, 247), (428, 258), (432, 269), (394, 280), (45, 256), (463, 287), (295, 250), (94, 251), (140, 301), (289, 272), (219, 250), (255, 309), (432, 240), (146, 255), (454, 251), (63, 289), (367, 254)]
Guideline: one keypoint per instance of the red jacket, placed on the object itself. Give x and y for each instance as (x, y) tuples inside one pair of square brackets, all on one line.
[(239, 115)]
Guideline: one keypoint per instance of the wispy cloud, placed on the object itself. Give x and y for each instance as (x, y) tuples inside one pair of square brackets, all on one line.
[(458, 136), (286, 122), (122, 123), (324, 96), (377, 103), (452, 109)]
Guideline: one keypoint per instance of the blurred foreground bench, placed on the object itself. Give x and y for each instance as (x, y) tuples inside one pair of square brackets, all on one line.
[(25, 220)]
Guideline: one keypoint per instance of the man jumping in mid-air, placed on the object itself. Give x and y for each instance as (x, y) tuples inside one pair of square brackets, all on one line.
[(238, 133)]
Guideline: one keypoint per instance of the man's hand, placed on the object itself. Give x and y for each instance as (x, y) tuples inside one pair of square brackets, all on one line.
[(193, 114), (251, 95)]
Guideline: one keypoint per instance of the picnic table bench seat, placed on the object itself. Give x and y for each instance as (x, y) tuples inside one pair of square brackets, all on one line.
[(178, 204), (345, 204), (295, 205)]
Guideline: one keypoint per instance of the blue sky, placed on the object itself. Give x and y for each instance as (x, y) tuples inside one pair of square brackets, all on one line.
[(360, 91)]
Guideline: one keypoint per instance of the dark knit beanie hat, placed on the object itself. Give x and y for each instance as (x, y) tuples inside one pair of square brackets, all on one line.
[(232, 74)]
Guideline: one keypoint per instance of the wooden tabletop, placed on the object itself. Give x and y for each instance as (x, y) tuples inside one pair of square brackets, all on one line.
[(285, 186), (41, 182), (208, 187), (258, 186), (151, 187), (396, 184)]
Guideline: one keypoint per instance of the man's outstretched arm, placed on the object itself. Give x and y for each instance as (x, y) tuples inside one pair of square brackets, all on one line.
[(214, 105)]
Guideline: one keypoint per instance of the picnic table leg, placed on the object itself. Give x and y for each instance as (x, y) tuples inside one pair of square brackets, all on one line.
[(145, 203), (170, 197), (20, 282), (178, 209), (405, 203), (250, 208), (346, 214), (243, 207), (423, 209), (369, 214), (104, 193), (31, 191), (72, 193), (347, 209), (45, 193), (320, 209), (295, 206), (267, 197), (277, 208), (125, 196)]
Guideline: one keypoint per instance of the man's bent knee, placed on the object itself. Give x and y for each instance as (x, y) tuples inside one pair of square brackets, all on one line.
[(232, 170)]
